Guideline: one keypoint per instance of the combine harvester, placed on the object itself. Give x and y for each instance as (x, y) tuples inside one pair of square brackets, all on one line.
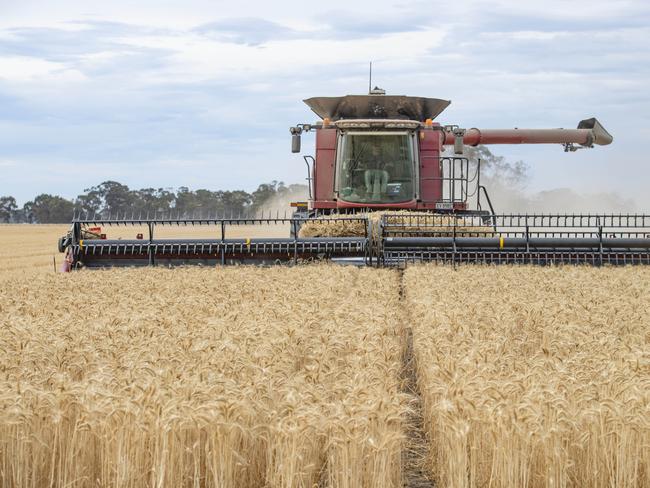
[(385, 153)]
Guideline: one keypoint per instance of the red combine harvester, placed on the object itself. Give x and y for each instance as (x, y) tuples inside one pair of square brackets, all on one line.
[(386, 153)]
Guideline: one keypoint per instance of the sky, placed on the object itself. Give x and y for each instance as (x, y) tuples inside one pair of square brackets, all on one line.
[(201, 93)]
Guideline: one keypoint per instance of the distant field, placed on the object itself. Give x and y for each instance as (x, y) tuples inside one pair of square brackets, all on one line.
[(29, 247)]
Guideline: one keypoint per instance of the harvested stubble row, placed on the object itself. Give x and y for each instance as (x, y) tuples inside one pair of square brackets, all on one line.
[(414, 223), (534, 377), (201, 377)]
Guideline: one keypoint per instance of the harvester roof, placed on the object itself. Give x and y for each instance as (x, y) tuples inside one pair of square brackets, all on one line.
[(377, 107)]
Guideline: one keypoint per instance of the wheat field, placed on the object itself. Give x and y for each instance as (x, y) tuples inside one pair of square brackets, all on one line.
[(295, 376), (29, 247), (201, 377), (536, 377)]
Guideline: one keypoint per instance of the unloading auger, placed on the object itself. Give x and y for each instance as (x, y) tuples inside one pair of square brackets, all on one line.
[(384, 191)]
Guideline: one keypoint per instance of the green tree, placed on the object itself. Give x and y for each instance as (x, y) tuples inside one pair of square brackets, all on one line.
[(264, 193), (496, 168), (49, 209), (206, 203), (236, 202), (185, 201), (8, 209), (90, 202), (152, 201), (116, 198)]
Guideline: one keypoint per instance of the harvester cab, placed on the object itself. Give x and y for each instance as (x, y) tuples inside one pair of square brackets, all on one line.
[(388, 184)]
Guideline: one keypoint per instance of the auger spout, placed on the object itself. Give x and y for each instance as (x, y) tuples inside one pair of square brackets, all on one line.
[(589, 133)]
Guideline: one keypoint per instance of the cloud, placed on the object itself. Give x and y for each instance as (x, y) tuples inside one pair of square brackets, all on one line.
[(195, 58), (29, 69), (348, 25), (245, 30), (561, 16), (170, 95)]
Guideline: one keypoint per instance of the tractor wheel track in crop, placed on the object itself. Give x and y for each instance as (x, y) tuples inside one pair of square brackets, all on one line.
[(416, 450)]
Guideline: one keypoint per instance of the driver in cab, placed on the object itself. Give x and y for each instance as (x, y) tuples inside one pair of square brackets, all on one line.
[(376, 178)]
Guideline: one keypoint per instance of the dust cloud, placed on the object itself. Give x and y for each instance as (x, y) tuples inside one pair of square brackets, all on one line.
[(280, 203), (506, 184), (510, 199)]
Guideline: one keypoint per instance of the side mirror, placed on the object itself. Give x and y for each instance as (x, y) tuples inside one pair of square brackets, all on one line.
[(295, 143)]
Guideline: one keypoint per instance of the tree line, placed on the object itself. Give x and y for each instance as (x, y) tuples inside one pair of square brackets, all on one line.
[(112, 198)]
